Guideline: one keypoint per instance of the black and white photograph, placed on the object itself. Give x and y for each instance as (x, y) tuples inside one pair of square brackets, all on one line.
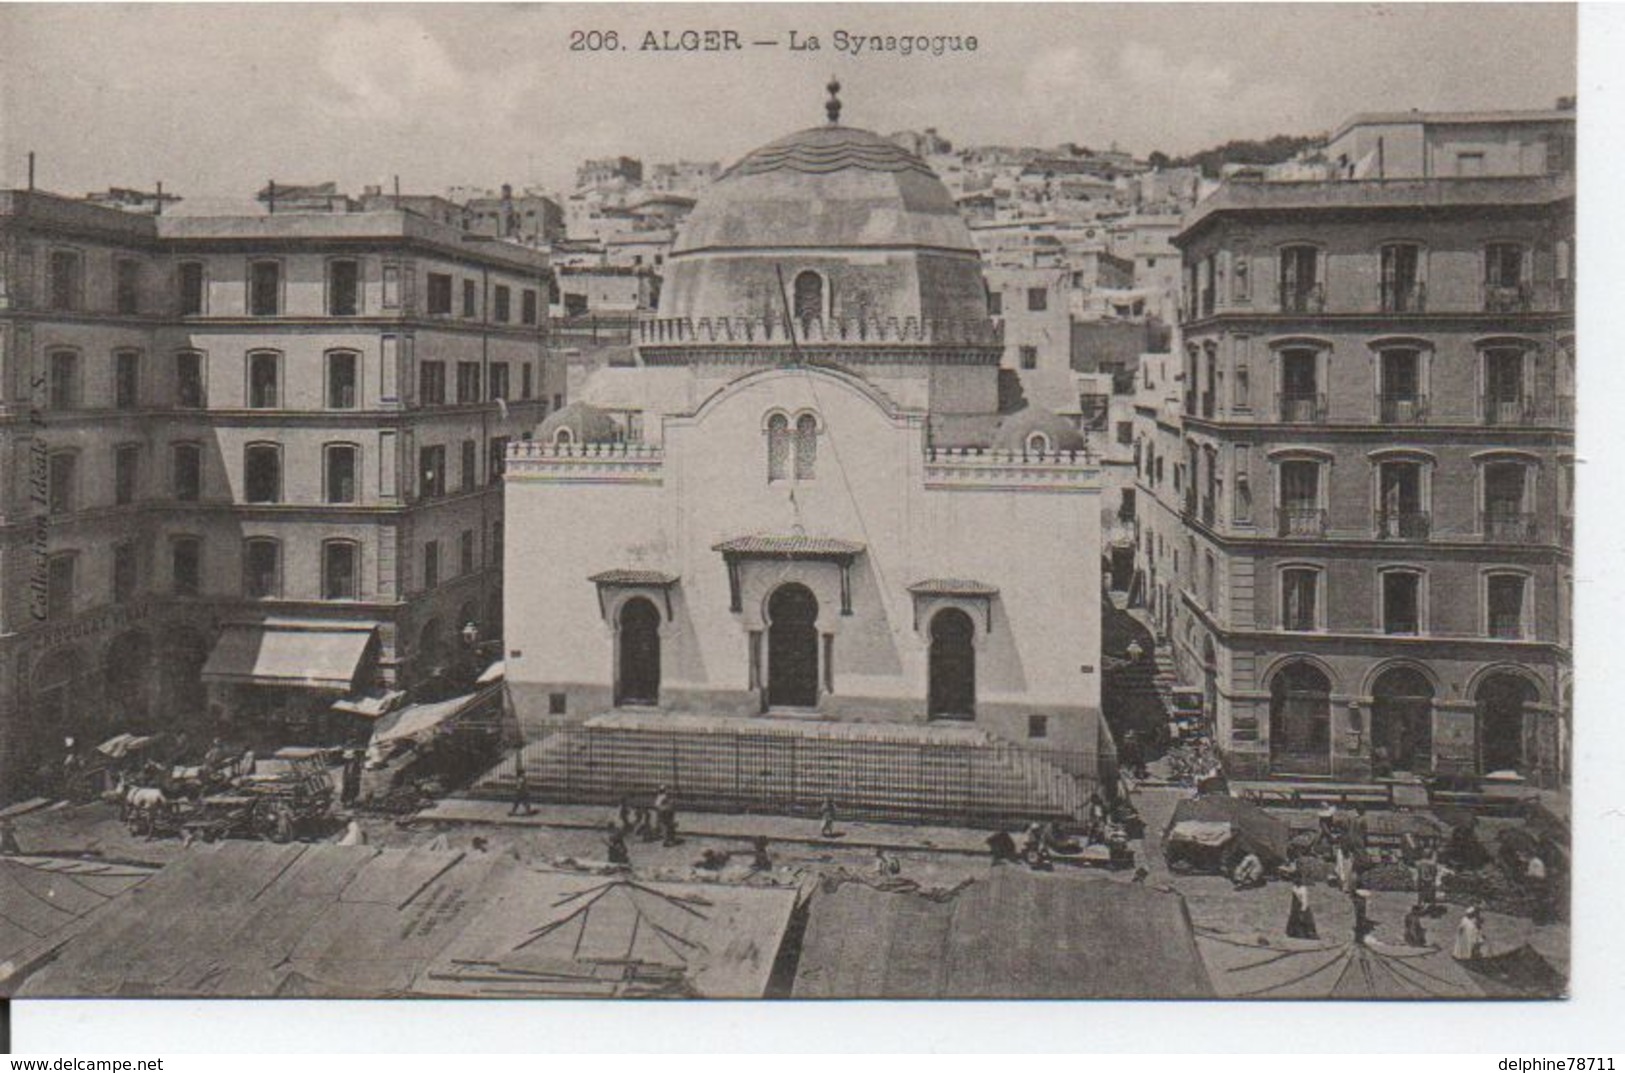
[(689, 501)]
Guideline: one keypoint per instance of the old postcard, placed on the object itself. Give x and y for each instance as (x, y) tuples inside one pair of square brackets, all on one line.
[(893, 501)]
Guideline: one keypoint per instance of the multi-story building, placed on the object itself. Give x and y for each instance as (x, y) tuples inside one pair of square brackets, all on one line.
[(1158, 492), (1378, 466), (256, 452)]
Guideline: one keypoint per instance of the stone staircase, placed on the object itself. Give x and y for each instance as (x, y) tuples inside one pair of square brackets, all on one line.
[(917, 773)]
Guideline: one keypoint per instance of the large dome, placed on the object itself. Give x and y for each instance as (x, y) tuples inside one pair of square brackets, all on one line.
[(826, 186), (840, 223)]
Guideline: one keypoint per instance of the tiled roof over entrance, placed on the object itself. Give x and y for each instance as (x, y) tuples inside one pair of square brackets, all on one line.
[(795, 545)]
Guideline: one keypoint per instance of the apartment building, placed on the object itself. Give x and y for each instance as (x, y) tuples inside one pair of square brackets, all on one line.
[(251, 462), (1376, 471)]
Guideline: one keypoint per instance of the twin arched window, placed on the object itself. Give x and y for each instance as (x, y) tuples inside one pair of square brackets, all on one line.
[(783, 442)]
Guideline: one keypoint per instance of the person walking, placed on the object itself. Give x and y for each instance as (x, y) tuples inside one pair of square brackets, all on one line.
[(1469, 935), (615, 842), (666, 817), (521, 792), (1535, 877), (1415, 933), (1427, 879), (351, 781), (1300, 918), (826, 812)]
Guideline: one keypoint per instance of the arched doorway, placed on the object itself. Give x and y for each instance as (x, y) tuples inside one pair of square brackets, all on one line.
[(182, 694), (1300, 720), (952, 690), (792, 647), (639, 679), (1503, 700), (431, 650), (125, 673), (1402, 722)]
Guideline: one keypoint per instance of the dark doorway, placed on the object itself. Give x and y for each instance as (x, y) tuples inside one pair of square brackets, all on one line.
[(1210, 683), (792, 648), (1402, 722), (127, 668), (953, 666), (1300, 721), (1502, 700), (639, 681)]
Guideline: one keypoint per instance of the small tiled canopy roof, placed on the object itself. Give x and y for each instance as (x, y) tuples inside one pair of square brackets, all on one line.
[(788, 545), (952, 586), (633, 577)]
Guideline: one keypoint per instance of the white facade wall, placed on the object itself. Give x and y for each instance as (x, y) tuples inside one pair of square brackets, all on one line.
[(1031, 530)]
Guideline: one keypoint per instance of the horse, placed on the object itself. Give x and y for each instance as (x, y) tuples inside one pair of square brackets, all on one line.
[(143, 806)]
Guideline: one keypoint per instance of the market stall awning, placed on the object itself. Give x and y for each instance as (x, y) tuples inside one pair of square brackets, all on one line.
[(325, 656), (371, 707)]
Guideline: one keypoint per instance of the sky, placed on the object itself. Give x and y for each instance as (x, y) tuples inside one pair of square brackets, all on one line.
[(215, 99)]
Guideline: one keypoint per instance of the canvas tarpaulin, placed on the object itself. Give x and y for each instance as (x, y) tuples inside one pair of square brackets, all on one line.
[(1014, 934), (1256, 830), (259, 920)]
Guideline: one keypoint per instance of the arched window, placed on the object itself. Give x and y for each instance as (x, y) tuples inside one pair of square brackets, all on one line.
[(341, 562), (262, 568), (264, 372), (262, 473), (562, 437), (809, 296), (340, 464), (343, 378), (1038, 444), (806, 446), (778, 447)]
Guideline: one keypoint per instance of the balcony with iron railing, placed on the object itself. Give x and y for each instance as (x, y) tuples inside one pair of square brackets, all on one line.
[(1294, 521), (1302, 407), (1303, 298), (1509, 298), (1404, 525), (1411, 409), (1509, 526), (1404, 297), (1508, 409)]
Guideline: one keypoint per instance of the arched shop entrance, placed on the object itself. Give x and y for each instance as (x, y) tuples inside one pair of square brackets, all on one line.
[(1402, 722), (1503, 701), (1300, 720)]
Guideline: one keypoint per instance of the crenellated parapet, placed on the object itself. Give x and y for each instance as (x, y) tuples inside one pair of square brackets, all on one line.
[(595, 463), (986, 469), (815, 331)]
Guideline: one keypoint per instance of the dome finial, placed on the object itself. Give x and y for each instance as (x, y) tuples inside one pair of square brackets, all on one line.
[(833, 105)]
